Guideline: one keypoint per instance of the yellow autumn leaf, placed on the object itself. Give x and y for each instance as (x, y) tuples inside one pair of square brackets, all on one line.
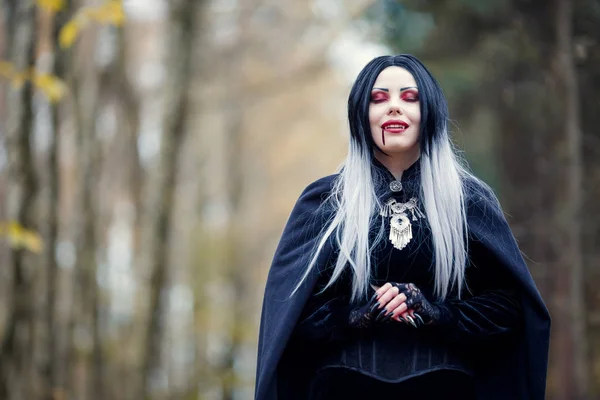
[(51, 86), (116, 12), (14, 234), (51, 5), (32, 242), (21, 238), (111, 12), (68, 34)]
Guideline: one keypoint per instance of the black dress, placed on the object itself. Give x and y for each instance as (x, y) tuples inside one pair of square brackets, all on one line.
[(395, 359), (498, 332)]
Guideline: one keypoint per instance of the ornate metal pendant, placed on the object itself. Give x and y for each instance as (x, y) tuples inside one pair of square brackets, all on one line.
[(400, 226), (395, 186)]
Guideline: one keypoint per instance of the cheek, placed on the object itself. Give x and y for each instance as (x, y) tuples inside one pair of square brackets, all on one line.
[(374, 115), (414, 113)]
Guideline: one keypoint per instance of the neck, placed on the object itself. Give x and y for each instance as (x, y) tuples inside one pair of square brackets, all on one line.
[(397, 163)]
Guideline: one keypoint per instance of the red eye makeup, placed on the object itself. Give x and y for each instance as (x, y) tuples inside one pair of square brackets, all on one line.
[(408, 93), (378, 97)]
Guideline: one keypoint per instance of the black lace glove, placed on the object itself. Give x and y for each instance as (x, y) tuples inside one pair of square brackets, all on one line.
[(326, 323), (425, 312), (364, 316)]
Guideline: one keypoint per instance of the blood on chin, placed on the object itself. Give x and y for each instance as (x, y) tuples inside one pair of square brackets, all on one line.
[(395, 143), (391, 132)]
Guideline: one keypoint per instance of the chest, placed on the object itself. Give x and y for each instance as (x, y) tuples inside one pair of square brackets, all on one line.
[(414, 262)]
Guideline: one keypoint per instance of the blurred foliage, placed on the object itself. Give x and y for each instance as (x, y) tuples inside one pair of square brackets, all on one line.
[(111, 13), (21, 238), (51, 86), (51, 5)]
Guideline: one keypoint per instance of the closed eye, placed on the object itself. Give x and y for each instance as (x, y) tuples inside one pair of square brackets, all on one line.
[(410, 96), (378, 98)]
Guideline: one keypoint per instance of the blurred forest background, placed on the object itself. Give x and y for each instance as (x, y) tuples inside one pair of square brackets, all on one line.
[(151, 151)]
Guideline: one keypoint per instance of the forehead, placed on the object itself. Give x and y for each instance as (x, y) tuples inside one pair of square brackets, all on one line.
[(394, 78)]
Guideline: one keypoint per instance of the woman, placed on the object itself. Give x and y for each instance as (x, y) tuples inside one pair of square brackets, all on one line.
[(399, 275)]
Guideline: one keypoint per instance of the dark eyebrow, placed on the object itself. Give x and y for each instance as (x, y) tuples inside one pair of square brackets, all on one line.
[(401, 89)]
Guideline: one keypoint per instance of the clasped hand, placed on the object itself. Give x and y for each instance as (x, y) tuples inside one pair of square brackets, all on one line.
[(401, 302)]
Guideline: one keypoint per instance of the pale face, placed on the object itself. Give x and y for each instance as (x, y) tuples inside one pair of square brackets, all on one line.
[(394, 113)]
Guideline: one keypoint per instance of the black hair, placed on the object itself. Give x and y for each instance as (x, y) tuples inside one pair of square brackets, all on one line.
[(433, 104)]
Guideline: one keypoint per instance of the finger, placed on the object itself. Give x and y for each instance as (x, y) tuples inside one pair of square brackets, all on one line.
[(381, 290), (406, 316), (402, 287), (400, 310), (395, 302), (386, 297), (398, 314)]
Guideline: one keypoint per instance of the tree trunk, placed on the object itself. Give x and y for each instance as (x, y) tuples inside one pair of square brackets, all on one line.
[(53, 367), (17, 338), (589, 81), (86, 370), (158, 218), (572, 260), (129, 126)]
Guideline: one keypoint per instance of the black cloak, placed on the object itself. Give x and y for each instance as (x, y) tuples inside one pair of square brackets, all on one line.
[(512, 370)]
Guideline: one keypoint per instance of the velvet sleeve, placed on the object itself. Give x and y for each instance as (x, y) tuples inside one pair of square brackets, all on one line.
[(325, 316), (490, 306), (491, 311), (324, 321)]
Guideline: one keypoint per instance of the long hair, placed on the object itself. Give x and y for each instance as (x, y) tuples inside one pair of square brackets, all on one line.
[(354, 197)]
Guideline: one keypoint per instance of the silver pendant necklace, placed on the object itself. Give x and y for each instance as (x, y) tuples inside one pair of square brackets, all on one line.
[(395, 186), (400, 226)]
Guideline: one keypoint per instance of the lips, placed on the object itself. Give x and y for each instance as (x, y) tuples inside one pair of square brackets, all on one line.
[(395, 126)]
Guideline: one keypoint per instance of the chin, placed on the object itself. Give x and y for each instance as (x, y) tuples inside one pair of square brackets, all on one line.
[(395, 148)]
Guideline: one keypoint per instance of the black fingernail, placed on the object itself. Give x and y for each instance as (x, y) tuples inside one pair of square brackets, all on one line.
[(374, 296), (401, 319), (381, 314), (419, 320), (374, 307), (388, 317)]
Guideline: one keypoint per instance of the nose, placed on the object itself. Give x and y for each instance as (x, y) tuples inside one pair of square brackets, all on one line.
[(394, 107)]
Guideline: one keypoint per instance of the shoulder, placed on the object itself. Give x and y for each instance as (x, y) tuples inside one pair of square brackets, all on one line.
[(485, 217), (479, 196), (316, 192), (313, 203)]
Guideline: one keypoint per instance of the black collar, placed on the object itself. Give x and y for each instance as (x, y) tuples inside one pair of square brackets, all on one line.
[(409, 174), (411, 180)]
